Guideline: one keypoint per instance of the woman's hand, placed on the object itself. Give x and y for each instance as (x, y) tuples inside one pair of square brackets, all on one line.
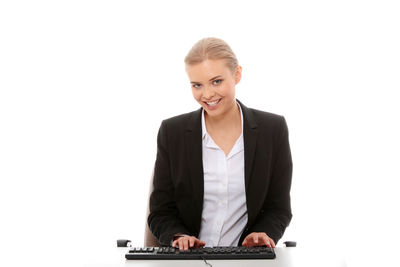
[(186, 242), (258, 239)]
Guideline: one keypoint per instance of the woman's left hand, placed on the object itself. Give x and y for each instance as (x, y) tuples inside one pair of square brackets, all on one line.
[(258, 239)]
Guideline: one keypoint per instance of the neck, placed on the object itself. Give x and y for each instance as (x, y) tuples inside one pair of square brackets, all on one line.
[(228, 119)]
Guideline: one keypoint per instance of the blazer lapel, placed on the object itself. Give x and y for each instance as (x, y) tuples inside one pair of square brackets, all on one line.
[(194, 157), (250, 134)]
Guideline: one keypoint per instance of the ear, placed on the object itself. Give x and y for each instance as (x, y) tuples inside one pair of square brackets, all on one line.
[(238, 74)]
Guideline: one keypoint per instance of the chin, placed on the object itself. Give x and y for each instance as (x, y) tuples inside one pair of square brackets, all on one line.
[(215, 113)]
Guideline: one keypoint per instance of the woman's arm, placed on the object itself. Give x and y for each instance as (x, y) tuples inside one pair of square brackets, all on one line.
[(276, 213), (163, 218)]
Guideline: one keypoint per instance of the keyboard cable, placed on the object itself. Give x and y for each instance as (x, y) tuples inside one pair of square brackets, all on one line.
[(204, 259)]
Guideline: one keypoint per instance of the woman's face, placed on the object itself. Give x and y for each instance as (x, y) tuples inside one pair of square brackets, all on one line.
[(213, 85)]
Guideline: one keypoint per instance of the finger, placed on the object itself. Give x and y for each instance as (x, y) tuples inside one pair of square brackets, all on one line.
[(176, 242), (244, 243), (255, 239), (272, 242), (181, 242), (266, 241), (199, 243), (191, 242), (185, 244), (248, 241)]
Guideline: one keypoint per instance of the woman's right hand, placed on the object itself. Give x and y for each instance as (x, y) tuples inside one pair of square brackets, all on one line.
[(186, 242)]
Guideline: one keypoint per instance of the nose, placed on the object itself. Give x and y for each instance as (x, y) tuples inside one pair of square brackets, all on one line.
[(208, 92)]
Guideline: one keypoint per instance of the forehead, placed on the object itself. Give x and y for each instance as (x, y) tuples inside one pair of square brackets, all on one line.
[(207, 69)]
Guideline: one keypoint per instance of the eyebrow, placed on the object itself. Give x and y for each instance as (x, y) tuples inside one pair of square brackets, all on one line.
[(210, 79)]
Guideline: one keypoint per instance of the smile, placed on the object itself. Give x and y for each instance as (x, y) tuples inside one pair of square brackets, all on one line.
[(213, 103)]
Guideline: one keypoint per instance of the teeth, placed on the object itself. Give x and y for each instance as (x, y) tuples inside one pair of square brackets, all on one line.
[(212, 103)]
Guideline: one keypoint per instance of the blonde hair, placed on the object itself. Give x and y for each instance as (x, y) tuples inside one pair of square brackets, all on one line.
[(212, 48)]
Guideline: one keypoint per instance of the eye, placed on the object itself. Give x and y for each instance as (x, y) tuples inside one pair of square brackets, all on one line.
[(216, 82), (196, 85)]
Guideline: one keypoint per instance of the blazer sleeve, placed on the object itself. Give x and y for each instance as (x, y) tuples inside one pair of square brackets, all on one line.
[(276, 213), (163, 218)]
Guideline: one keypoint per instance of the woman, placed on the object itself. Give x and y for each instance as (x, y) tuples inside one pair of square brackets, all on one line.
[(223, 173)]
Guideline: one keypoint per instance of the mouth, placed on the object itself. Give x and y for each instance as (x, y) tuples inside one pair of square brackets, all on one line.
[(212, 103)]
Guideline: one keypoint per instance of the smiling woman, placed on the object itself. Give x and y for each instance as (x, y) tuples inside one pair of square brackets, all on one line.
[(215, 94), (223, 173)]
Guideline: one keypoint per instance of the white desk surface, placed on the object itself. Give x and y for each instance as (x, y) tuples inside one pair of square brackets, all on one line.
[(285, 257)]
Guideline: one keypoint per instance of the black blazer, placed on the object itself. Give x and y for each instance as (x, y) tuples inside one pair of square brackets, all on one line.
[(176, 202)]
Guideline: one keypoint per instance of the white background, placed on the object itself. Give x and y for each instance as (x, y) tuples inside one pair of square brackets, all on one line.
[(84, 86)]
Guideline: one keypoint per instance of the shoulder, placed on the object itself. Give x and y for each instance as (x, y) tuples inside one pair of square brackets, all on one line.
[(256, 117), (271, 126), (268, 123), (264, 117), (182, 121)]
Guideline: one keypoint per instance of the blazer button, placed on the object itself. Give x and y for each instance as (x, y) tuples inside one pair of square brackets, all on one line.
[(262, 211)]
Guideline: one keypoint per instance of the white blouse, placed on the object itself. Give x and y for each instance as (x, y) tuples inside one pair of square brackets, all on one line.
[(224, 207)]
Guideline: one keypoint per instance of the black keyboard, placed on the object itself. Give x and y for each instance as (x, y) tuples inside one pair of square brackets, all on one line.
[(170, 253)]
